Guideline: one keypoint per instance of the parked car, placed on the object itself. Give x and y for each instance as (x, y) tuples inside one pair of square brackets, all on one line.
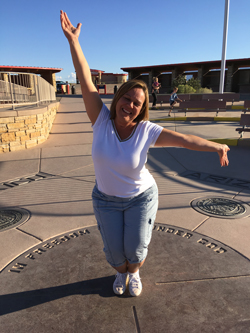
[(59, 86)]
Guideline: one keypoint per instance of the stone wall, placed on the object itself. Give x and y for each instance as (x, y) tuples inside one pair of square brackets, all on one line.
[(22, 131)]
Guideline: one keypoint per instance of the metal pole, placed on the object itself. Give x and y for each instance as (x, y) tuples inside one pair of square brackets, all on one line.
[(11, 92), (224, 47), (35, 78)]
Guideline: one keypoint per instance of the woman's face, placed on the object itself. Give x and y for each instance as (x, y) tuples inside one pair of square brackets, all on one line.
[(129, 105)]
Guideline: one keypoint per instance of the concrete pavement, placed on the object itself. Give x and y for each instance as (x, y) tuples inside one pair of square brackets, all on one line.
[(54, 181)]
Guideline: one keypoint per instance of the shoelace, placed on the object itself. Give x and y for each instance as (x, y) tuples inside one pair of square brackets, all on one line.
[(120, 281), (135, 281)]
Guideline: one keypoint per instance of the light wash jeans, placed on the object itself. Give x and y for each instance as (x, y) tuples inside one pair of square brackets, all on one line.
[(125, 224)]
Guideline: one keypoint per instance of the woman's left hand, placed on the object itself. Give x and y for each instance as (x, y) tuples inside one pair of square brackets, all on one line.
[(222, 152)]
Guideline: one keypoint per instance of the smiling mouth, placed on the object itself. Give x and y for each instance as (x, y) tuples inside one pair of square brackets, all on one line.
[(127, 112)]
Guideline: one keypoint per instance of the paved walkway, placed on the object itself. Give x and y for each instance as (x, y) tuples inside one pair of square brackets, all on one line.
[(53, 272)]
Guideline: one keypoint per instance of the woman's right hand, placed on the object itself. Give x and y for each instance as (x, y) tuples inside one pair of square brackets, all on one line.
[(69, 30), (222, 152)]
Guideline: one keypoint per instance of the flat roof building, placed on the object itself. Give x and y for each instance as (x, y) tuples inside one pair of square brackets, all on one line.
[(237, 74), (46, 72), (99, 77)]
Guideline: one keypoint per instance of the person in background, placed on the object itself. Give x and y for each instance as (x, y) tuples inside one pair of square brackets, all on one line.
[(173, 100), (125, 196), (155, 90)]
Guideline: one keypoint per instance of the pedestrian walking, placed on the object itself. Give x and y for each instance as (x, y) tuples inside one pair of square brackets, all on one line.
[(173, 100)]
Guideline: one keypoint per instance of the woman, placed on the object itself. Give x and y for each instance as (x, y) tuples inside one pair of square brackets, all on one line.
[(155, 90), (125, 198)]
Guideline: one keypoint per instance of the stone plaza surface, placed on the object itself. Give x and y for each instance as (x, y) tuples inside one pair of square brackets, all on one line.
[(54, 276)]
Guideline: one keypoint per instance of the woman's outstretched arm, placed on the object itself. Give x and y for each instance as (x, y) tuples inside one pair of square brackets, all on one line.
[(92, 100), (169, 138)]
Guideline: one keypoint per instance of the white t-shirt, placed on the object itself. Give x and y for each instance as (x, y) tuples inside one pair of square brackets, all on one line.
[(120, 164)]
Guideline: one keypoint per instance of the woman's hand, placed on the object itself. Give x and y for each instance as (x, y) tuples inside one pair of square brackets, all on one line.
[(222, 152), (68, 29)]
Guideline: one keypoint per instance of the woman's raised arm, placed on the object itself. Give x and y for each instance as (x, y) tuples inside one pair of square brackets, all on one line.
[(92, 100)]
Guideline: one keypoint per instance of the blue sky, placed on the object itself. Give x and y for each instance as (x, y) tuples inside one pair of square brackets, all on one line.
[(119, 34)]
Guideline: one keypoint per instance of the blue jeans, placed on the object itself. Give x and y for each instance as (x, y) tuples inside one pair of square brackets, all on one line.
[(154, 98), (125, 224)]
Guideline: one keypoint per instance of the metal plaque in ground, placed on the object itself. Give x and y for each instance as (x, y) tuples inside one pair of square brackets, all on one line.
[(10, 218), (191, 283), (221, 207)]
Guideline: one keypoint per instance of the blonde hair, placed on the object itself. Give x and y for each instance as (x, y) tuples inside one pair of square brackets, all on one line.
[(124, 88)]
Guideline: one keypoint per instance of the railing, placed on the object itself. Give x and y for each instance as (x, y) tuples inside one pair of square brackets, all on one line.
[(19, 89)]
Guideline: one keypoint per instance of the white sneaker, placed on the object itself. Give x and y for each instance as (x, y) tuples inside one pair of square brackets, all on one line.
[(120, 284), (135, 285)]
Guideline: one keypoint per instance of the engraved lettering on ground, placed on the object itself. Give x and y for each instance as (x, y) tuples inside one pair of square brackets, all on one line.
[(39, 251), (17, 268), (30, 256), (64, 238), (48, 246), (216, 179), (84, 232), (240, 183), (220, 250), (5, 186), (21, 181), (210, 245), (24, 180), (177, 232), (73, 235), (182, 233)]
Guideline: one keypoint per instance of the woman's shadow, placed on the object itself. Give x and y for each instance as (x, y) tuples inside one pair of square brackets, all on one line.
[(23, 300)]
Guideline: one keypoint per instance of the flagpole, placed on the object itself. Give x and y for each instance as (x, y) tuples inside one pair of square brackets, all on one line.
[(224, 47)]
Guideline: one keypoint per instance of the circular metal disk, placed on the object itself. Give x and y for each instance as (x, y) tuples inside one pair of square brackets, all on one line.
[(10, 218), (221, 207), (191, 283)]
